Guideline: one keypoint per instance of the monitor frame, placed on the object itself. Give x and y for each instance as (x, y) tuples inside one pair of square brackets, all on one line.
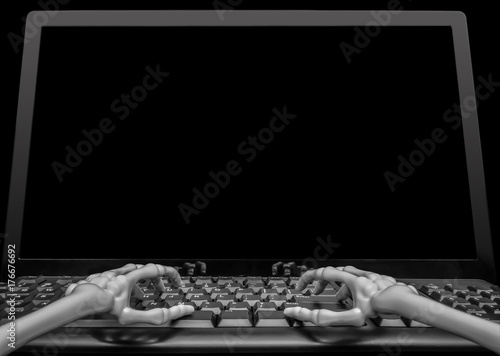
[(483, 266)]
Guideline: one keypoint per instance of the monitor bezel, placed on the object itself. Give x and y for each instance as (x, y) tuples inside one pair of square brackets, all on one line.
[(483, 266)]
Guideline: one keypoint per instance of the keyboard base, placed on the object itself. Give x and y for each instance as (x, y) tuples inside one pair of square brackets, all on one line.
[(107, 335), (304, 339)]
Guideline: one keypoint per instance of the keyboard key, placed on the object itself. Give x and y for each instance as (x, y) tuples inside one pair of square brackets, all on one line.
[(171, 299), (233, 286), (439, 295), (64, 281), (289, 305), (150, 297), (309, 287), (43, 297), (143, 283), (198, 291), (225, 295), (49, 285), (22, 295), (148, 290), (250, 299), (170, 291), (241, 292), (186, 287), (268, 318), (151, 304), (388, 320), (490, 295), (219, 291), (24, 288), (277, 300), (253, 279), (256, 287), (215, 307), (22, 302), (199, 299), (239, 306), (469, 308), (235, 318), (277, 281), (492, 309), (222, 281), (469, 294), (292, 281), (4, 287), (184, 303), (149, 287), (266, 279), (168, 284), (330, 292), (481, 302), (204, 280), (455, 288), (278, 287), (479, 289), (414, 323), (225, 299), (240, 279), (267, 292), (38, 304), (490, 317), (208, 287), (289, 293), (31, 279), (55, 292), (428, 288), (198, 319), (495, 288), (314, 298), (453, 301), (264, 306), (21, 311)]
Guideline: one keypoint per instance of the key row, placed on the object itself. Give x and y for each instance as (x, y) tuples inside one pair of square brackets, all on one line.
[(242, 281), (238, 291), (473, 300), (240, 314), (249, 297)]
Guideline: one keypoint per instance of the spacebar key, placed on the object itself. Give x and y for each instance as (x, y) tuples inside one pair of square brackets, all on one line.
[(267, 318), (235, 318), (198, 319)]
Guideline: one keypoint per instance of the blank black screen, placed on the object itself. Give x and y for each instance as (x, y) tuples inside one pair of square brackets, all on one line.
[(325, 173)]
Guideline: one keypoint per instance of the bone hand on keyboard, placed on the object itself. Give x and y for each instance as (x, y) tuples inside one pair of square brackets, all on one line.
[(109, 292), (374, 294)]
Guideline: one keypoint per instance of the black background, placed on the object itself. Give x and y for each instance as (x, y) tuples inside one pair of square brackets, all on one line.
[(483, 33), (483, 38)]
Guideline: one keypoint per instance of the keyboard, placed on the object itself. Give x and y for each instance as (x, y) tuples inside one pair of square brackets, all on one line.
[(247, 301)]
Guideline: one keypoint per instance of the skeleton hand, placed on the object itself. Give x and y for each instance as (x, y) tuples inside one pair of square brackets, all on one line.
[(373, 293), (116, 287), (363, 286), (104, 292)]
